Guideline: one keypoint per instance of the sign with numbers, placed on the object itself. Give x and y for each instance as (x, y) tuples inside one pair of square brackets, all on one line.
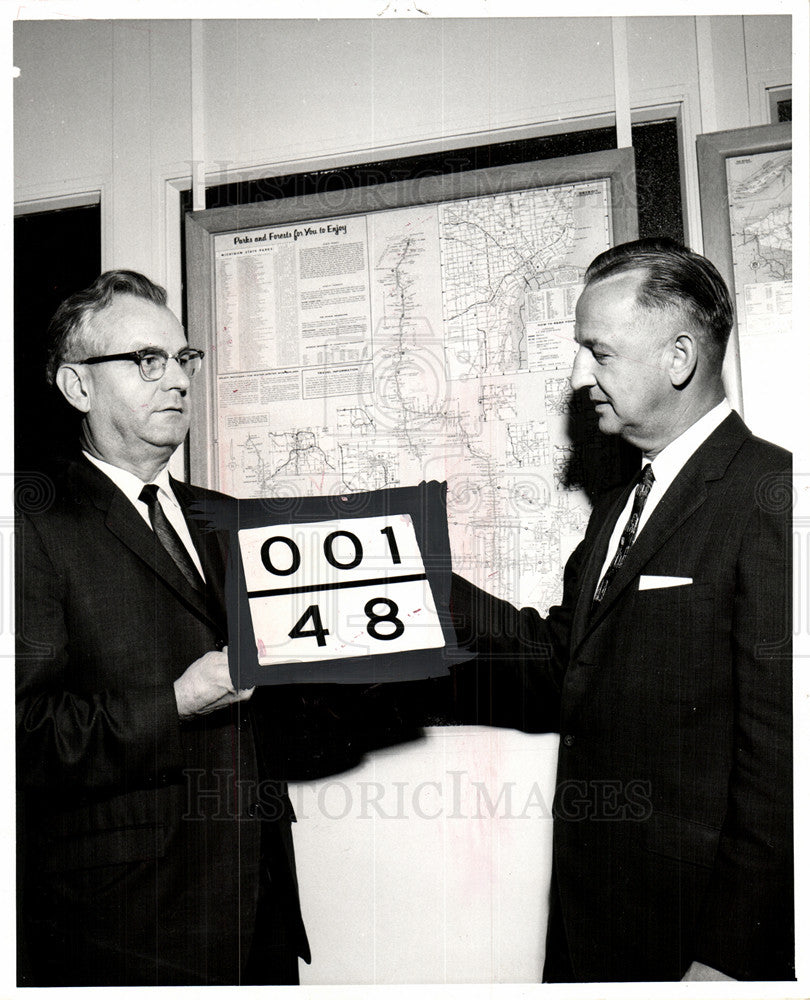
[(340, 589), (343, 588)]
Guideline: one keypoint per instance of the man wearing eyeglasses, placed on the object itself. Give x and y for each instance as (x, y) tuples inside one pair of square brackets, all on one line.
[(156, 850)]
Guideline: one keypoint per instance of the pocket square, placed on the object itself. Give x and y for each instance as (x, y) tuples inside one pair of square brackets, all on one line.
[(656, 582)]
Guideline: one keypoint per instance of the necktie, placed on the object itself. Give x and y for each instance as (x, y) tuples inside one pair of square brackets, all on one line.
[(169, 538), (646, 479)]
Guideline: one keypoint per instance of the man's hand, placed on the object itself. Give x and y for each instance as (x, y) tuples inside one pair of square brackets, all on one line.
[(700, 973), (206, 686)]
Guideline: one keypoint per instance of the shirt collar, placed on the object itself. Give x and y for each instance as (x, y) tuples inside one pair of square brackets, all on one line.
[(129, 484), (669, 462)]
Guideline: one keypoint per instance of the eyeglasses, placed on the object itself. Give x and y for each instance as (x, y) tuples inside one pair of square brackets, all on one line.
[(152, 361)]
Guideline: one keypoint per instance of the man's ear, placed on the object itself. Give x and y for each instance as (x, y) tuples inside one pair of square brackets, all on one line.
[(74, 385), (684, 359)]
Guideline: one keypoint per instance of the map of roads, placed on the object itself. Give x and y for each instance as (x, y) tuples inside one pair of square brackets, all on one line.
[(760, 206), (430, 342), (760, 214)]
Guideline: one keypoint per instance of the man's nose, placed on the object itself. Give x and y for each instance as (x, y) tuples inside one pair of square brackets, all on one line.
[(582, 373), (175, 376)]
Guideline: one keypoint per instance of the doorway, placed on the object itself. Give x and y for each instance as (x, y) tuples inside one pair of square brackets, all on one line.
[(56, 253)]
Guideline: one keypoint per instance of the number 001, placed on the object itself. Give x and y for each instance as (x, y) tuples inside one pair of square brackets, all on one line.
[(328, 551)]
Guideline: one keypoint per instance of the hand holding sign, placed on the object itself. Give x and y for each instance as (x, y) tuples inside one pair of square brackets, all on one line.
[(205, 685), (340, 589)]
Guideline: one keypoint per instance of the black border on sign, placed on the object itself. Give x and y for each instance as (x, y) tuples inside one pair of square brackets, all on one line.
[(424, 503)]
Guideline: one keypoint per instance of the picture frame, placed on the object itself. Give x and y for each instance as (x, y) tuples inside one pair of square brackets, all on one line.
[(738, 247), (617, 166)]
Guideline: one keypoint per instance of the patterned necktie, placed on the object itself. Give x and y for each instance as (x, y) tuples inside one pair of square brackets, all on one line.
[(169, 538), (646, 479)]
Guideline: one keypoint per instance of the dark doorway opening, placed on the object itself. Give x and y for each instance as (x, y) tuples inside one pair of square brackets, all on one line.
[(56, 253)]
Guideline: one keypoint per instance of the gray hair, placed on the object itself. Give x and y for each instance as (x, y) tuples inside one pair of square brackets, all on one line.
[(675, 277), (67, 331)]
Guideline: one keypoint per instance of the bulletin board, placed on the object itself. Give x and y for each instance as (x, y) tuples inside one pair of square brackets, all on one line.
[(377, 337)]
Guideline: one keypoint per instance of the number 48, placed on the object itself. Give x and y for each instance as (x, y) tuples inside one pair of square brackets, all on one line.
[(313, 614)]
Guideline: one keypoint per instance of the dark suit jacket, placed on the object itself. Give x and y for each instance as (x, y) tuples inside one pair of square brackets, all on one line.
[(673, 820), (143, 835)]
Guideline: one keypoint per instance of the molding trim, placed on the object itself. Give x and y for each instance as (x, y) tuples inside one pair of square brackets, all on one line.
[(574, 116), (621, 82), (759, 104), (705, 64), (198, 114), (57, 202)]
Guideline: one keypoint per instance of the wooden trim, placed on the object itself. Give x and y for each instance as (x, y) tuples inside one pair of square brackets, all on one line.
[(705, 61), (198, 113), (58, 202), (621, 82)]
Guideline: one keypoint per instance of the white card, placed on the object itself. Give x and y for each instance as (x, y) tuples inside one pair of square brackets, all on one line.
[(332, 589), (659, 582)]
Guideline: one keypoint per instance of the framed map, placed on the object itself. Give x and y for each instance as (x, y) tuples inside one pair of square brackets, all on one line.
[(746, 204), (376, 337)]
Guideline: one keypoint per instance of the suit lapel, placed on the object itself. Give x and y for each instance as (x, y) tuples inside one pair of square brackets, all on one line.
[(128, 526), (680, 501), (685, 495), (593, 565)]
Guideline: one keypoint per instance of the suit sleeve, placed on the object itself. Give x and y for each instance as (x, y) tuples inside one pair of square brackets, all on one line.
[(67, 739), (516, 677), (747, 925)]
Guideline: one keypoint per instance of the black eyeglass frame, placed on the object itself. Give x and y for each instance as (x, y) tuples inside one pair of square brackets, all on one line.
[(182, 358)]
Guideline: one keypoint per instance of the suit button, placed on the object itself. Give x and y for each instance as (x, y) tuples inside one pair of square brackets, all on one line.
[(253, 810), (569, 740)]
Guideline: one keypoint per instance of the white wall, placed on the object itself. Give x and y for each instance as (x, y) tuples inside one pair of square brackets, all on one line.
[(107, 106), (430, 864), (366, 84)]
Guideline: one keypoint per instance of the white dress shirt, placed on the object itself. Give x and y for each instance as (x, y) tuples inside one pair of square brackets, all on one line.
[(665, 466), (131, 486)]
